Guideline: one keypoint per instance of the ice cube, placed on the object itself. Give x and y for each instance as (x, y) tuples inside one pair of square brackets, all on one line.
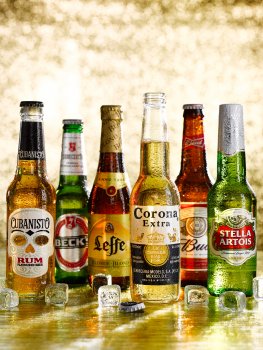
[(2, 282), (8, 299), (56, 294), (258, 288), (232, 301), (100, 280), (109, 295), (194, 295)]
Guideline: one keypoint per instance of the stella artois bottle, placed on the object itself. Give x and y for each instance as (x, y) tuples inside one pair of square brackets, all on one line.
[(231, 211), (193, 183), (155, 229), (109, 221), (71, 233), (30, 211)]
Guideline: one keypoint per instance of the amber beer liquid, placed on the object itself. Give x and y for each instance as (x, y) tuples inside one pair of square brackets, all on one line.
[(155, 230), (193, 183), (30, 211), (232, 253), (109, 221)]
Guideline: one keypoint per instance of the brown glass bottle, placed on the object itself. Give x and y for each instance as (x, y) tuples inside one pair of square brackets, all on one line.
[(193, 183), (109, 222)]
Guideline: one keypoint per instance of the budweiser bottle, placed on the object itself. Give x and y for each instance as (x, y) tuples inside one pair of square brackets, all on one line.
[(109, 221), (193, 183), (30, 211), (155, 230), (71, 233), (231, 211)]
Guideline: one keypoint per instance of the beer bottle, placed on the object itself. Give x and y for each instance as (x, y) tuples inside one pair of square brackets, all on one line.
[(109, 222), (193, 183), (30, 211), (71, 232), (231, 211), (155, 229)]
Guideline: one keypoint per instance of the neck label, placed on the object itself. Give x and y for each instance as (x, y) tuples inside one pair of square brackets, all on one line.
[(111, 136), (72, 155), (31, 144), (196, 141)]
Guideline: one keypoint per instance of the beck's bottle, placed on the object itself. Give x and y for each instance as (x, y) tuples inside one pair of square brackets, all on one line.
[(109, 221), (193, 183), (155, 228), (71, 232), (30, 211), (231, 211)]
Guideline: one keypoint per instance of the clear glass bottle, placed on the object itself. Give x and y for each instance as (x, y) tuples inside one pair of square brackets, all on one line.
[(231, 211), (31, 206), (109, 208), (155, 230), (71, 233)]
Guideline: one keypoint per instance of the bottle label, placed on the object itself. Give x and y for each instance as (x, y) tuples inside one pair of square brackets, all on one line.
[(31, 144), (194, 141), (193, 221), (73, 155), (71, 242), (30, 241), (111, 136), (155, 244), (111, 182), (109, 244), (233, 236)]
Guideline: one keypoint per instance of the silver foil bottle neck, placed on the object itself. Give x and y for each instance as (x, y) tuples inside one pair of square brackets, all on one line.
[(231, 129)]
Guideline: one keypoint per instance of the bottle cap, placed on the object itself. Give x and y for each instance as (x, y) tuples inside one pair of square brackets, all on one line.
[(72, 121), (231, 129), (131, 306), (31, 104), (111, 112), (193, 106)]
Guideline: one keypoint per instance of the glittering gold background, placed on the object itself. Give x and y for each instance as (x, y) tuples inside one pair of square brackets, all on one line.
[(78, 55)]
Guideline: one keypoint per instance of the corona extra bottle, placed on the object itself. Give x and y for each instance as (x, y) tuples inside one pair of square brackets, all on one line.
[(109, 221), (231, 211), (193, 183), (30, 211), (155, 229), (71, 233)]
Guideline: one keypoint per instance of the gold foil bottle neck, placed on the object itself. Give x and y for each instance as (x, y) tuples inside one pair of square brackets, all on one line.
[(112, 112)]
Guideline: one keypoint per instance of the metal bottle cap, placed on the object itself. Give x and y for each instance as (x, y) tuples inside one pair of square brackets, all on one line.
[(112, 112), (72, 121), (31, 104), (193, 106), (231, 129), (131, 306)]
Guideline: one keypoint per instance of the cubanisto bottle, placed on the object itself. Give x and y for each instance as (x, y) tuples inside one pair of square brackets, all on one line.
[(109, 208), (71, 232), (155, 229), (231, 211), (31, 206), (193, 183)]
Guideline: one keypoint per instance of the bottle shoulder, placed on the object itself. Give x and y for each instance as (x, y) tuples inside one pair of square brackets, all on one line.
[(149, 190)]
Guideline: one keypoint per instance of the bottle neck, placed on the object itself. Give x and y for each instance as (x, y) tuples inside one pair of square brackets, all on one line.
[(231, 161), (231, 167), (193, 159), (155, 159), (154, 145), (73, 169), (31, 150), (111, 155)]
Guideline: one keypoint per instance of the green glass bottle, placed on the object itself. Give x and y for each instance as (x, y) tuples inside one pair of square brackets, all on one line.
[(231, 211), (71, 233)]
